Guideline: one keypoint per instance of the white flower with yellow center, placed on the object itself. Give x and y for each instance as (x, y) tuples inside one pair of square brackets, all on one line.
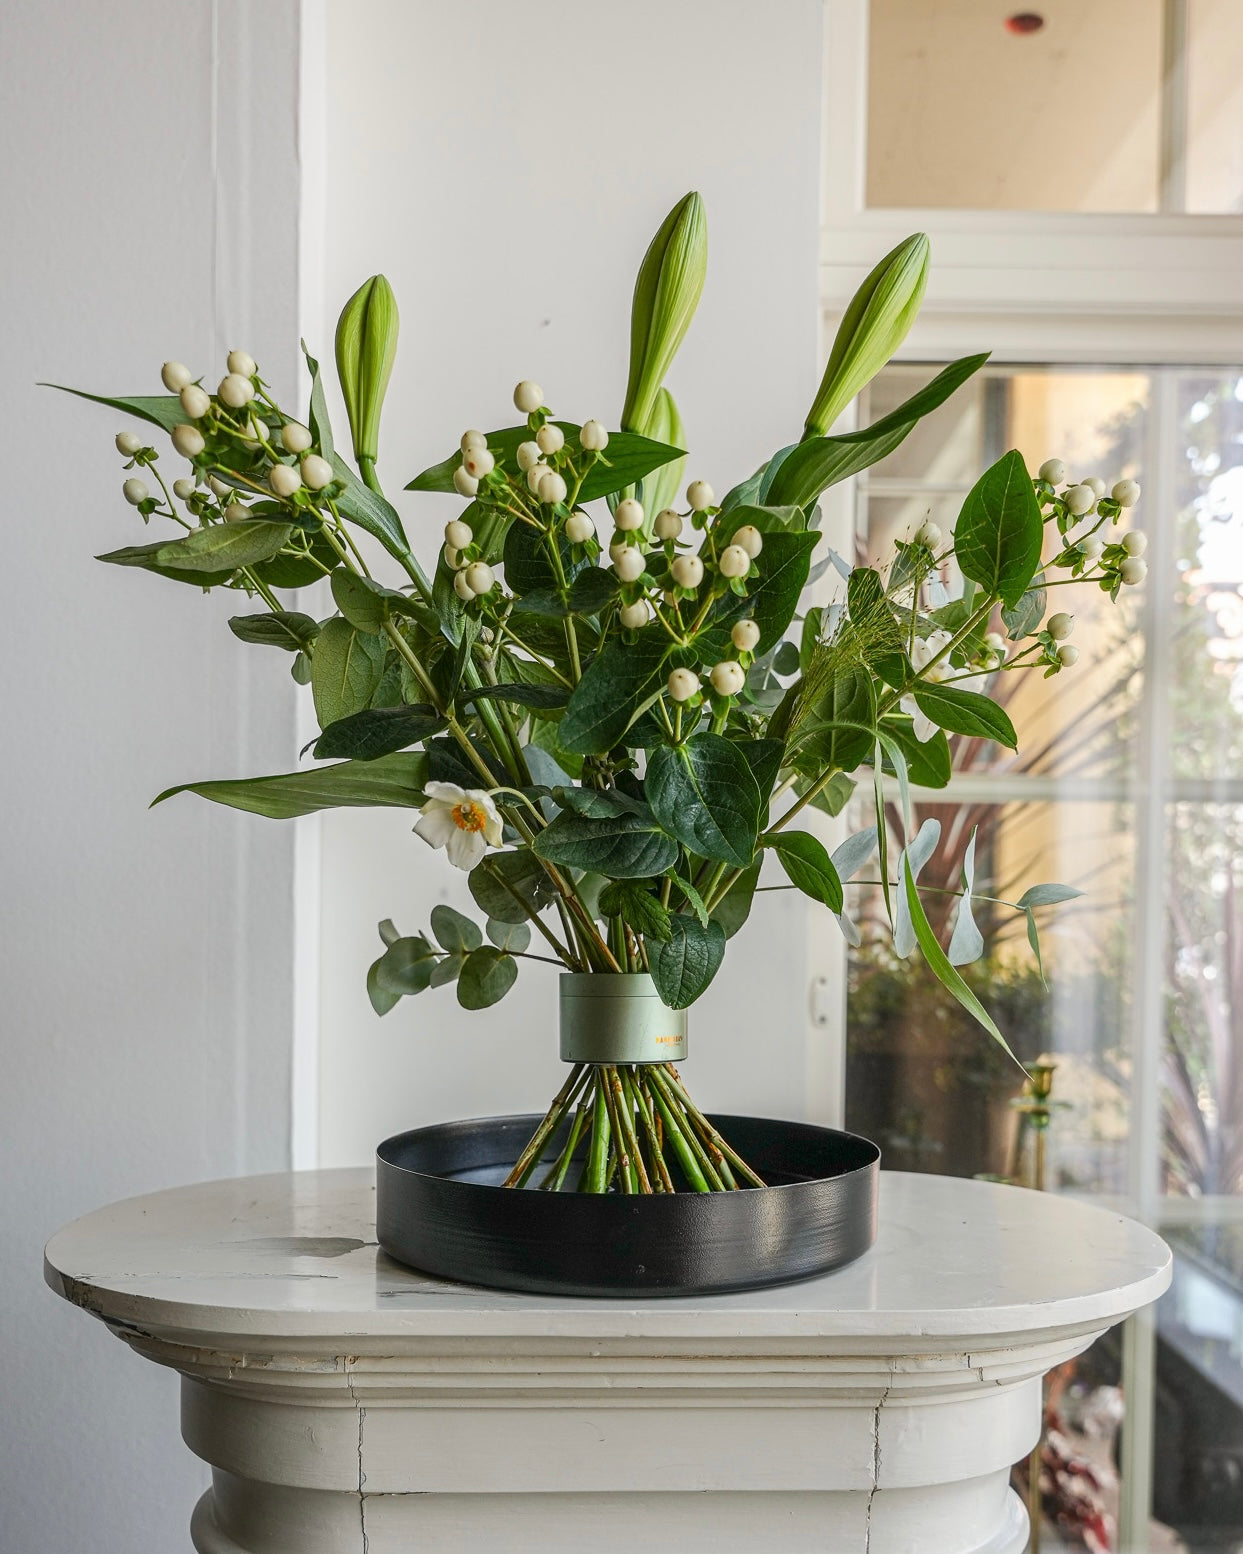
[(464, 821), (924, 650)]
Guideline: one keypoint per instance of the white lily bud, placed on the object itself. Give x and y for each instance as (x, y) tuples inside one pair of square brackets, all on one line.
[(1060, 626), (734, 562), (1068, 656), (668, 524), (235, 391), (295, 438), (744, 635), (682, 684), (700, 495), (579, 529), (242, 363), (1091, 548), (728, 677), (928, 534), (462, 588), (629, 564), (528, 396), (478, 462), (1133, 570), (175, 376), (551, 439), (529, 454), (472, 439), (188, 440), (220, 488), (284, 479), (317, 472), (464, 484), (183, 490), (593, 438), (480, 578), (1079, 499), (634, 616), (1126, 493), (750, 538), (688, 571), (135, 491), (458, 534), (195, 401), (535, 474), (629, 515), (128, 443), (1098, 486), (1052, 470), (552, 488), (235, 512), (1135, 542)]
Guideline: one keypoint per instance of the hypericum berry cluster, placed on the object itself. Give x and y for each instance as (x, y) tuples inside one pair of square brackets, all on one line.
[(1085, 511)]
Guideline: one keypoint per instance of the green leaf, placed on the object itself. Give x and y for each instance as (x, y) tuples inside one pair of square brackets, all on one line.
[(1000, 530), (768, 520), (528, 561), (406, 966), (965, 712), (686, 963), (591, 590), (487, 974), (1027, 614), (365, 603), (1047, 895), (381, 999), (298, 571), (514, 938), (277, 628), (501, 877), (635, 904), (540, 696), (162, 410), (928, 761), (370, 511), (912, 860), (783, 566), (703, 793), (764, 757), (206, 556), (734, 907), (377, 732), (839, 730), (618, 684), (966, 942), (808, 866), (619, 846), (394, 782), (455, 932), (597, 803), (629, 457), (345, 671), (447, 969), (320, 428)]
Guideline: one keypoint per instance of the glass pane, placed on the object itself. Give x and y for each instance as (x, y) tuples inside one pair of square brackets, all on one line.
[(1214, 168), (985, 107), (923, 1079)]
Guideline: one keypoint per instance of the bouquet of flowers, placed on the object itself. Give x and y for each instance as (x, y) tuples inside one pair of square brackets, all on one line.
[(611, 730)]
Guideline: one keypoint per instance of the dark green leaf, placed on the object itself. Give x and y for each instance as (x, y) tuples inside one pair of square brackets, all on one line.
[(345, 671), (298, 571), (370, 511), (406, 966), (782, 565), (965, 712), (163, 410), (629, 457), (635, 904), (486, 976), (381, 999), (838, 730), (686, 963), (365, 603), (734, 907), (543, 696), (1000, 530), (764, 757), (597, 803), (528, 561), (620, 681), (206, 556), (928, 761), (396, 781), (376, 732), (514, 938), (454, 931), (447, 969), (502, 877), (704, 794), (619, 846), (808, 866), (591, 590), (278, 628)]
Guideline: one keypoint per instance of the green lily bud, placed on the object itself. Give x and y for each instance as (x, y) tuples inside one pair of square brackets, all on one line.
[(875, 324), (661, 487), (666, 294), (366, 346)]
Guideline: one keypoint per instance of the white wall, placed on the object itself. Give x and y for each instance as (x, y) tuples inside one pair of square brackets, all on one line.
[(145, 954), (506, 166)]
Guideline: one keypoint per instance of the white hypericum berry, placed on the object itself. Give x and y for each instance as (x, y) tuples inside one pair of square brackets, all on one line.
[(668, 524), (462, 588), (255, 433), (220, 488), (295, 438), (478, 462), (472, 439), (727, 677), (317, 472), (1126, 493), (235, 512), (195, 401), (750, 538), (1098, 486), (1133, 570), (535, 474), (235, 391), (551, 439), (1068, 656), (1060, 626), (480, 578), (1091, 548), (682, 684), (744, 636), (700, 495), (528, 455), (188, 440), (593, 437), (1079, 499), (128, 443), (453, 558), (242, 363), (458, 534), (1052, 470), (928, 534), (629, 564), (175, 376), (1135, 542), (633, 616), (464, 484), (734, 562), (135, 491), (284, 479), (183, 490), (629, 515), (528, 396), (687, 571), (995, 642), (552, 488), (579, 529)]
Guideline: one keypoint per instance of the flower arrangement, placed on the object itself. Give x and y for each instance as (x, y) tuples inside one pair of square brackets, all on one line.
[(609, 735)]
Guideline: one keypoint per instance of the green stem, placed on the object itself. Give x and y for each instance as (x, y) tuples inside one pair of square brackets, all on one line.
[(670, 1077), (634, 1089), (623, 1109), (529, 1158), (595, 1176), (625, 1162), (675, 1136)]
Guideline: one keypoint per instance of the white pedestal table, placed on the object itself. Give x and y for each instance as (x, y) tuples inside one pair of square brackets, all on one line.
[(348, 1405)]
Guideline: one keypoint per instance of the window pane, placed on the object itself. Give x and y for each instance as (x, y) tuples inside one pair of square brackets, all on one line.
[(1214, 170)]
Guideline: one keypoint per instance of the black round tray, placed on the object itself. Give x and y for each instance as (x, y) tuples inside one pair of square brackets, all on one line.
[(440, 1208)]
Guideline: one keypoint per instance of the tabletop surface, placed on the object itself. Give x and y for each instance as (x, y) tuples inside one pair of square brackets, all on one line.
[(295, 1254)]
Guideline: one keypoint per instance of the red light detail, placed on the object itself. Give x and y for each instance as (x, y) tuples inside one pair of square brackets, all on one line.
[(1024, 22)]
